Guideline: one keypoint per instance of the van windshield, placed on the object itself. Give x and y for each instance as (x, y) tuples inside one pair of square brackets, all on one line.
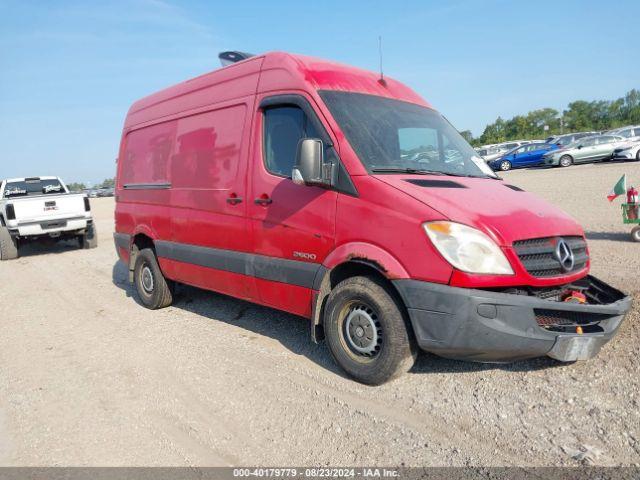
[(31, 187), (392, 136)]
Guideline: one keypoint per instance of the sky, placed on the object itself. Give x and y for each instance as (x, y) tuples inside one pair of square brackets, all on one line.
[(69, 70)]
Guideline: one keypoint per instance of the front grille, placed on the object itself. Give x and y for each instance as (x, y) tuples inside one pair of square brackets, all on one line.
[(539, 259), (561, 318)]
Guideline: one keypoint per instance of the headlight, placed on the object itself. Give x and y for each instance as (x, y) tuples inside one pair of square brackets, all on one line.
[(467, 249)]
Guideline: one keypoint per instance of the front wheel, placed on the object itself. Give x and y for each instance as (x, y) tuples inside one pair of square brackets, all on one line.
[(153, 289), (367, 331), (638, 155), (566, 161), (635, 234), (505, 165)]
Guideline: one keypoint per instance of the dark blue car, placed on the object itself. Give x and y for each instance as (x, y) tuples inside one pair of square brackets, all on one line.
[(524, 156)]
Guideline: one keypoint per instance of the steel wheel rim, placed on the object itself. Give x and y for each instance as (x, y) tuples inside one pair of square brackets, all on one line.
[(146, 279), (361, 330)]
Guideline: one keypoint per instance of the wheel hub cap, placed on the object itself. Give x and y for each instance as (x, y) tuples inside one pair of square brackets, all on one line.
[(147, 279), (363, 331)]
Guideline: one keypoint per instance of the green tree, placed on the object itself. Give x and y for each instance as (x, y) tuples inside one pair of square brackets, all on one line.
[(580, 115), (108, 183), (467, 135), (76, 187)]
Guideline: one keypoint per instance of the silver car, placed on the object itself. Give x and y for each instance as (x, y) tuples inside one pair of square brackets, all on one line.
[(588, 149)]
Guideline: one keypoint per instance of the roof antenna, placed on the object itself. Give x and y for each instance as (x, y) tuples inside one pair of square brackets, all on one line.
[(381, 80)]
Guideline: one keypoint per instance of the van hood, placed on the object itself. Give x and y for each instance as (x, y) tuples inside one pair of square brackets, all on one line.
[(502, 210)]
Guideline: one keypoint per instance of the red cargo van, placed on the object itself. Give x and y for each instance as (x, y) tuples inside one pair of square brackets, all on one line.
[(331, 193)]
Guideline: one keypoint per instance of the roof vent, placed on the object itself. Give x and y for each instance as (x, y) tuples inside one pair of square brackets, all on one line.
[(227, 58)]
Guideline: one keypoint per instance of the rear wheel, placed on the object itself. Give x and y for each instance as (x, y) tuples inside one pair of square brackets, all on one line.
[(367, 331), (89, 239), (635, 234), (566, 160), (505, 165), (153, 289), (8, 245)]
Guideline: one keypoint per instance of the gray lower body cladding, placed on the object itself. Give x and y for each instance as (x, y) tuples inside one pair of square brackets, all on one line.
[(487, 326)]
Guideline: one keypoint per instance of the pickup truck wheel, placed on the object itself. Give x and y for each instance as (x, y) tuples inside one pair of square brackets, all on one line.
[(566, 160), (8, 245), (153, 289), (90, 238), (367, 331)]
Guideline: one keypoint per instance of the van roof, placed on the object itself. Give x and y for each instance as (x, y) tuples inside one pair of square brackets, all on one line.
[(273, 71)]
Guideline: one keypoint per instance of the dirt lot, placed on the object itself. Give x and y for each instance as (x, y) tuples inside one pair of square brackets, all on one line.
[(89, 377)]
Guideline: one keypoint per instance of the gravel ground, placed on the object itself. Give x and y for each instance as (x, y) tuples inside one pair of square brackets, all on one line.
[(89, 377)]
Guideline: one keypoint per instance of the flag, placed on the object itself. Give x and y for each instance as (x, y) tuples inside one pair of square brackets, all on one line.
[(618, 189)]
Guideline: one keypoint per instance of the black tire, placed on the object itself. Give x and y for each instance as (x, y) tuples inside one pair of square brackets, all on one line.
[(505, 165), (638, 155), (635, 234), (153, 289), (8, 245), (376, 320), (566, 160), (89, 239)]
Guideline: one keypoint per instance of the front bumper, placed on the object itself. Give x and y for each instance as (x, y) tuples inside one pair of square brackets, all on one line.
[(551, 161), (486, 326)]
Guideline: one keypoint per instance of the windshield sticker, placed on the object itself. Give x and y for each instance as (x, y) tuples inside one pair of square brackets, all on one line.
[(52, 188), (482, 165), (14, 191)]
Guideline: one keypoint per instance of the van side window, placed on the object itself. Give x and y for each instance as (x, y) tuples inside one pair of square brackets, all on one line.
[(283, 129)]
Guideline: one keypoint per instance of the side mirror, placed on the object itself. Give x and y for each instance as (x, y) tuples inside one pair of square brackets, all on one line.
[(310, 168)]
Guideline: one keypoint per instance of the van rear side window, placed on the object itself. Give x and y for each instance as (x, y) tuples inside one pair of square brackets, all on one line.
[(147, 154), (283, 129)]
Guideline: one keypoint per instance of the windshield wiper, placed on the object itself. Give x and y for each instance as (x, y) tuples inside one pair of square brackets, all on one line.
[(417, 171)]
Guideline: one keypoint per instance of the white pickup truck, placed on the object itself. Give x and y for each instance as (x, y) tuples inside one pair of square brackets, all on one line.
[(42, 207)]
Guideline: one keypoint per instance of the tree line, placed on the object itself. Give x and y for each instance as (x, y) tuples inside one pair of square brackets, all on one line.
[(77, 187), (580, 115)]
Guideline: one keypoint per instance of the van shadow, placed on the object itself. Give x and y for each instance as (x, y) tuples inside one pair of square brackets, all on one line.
[(293, 332), (615, 236), (46, 247)]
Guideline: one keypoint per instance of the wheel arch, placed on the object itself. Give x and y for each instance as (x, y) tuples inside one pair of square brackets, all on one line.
[(143, 238), (358, 259)]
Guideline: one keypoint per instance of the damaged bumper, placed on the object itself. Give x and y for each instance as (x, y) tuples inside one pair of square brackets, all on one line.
[(487, 326)]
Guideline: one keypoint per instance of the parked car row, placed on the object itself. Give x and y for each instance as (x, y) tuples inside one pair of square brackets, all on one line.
[(495, 151), (565, 150), (100, 192)]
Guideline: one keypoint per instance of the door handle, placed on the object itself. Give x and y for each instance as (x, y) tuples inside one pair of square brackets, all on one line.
[(234, 199), (263, 200)]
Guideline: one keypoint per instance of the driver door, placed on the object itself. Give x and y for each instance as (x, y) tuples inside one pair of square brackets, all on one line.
[(292, 226)]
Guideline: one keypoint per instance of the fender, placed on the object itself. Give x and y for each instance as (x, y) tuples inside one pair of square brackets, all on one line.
[(361, 252), (133, 249), (144, 229), (366, 253)]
